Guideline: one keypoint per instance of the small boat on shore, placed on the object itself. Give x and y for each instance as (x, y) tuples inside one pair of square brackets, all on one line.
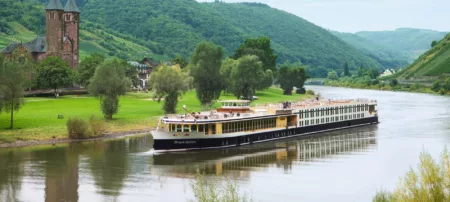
[(236, 123)]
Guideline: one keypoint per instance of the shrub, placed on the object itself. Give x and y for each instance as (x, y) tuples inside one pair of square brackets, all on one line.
[(436, 86), (310, 92), (429, 182), (211, 190), (394, 82), (77, 128), (97, 126), (442, 91), (300, 91), (382, 196)]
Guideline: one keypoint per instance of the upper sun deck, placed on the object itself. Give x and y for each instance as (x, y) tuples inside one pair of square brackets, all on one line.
[(260, 110)]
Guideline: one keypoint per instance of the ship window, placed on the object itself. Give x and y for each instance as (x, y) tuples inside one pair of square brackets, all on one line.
[(194, 128), (186, 128), (207, 129), (213, 129), (173, 127), (200, 128), (178, 128)]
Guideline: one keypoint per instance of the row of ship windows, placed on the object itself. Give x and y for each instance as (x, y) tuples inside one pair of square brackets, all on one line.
[(330, 119), (332, 111), (241, 126), (231, 127)]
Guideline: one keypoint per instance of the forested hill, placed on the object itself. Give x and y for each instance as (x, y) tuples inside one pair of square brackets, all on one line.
[(176, 26), (432, 64), (406, 41), (396, 58)]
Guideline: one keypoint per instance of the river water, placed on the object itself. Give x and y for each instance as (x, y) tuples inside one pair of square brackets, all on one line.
[(346, 165)]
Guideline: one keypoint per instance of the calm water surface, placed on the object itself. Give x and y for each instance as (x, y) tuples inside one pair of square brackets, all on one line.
[(346, 165)]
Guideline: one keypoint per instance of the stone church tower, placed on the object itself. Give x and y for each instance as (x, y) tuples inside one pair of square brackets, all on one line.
[(62, 37), (63, 31)]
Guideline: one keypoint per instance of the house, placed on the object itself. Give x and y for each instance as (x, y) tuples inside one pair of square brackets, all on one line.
[(144, 68)]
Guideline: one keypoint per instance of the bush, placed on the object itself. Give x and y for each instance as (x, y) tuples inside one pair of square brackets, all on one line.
[(394, 82), (211, 190), (442, 91), (300, 91), (77, 128), (310, 92), (97, 126)]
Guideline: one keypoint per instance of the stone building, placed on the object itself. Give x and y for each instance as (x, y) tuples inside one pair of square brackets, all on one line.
[(62, 35)]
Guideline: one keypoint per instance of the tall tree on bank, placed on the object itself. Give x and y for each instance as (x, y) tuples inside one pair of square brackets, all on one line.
[(109, 82), (346, 70), (205, 69), (169, 83), (54, 73), (246, 77), (12, 85), (260, 47), (86, 69), (180, 61), (227, 67), (290, 76)]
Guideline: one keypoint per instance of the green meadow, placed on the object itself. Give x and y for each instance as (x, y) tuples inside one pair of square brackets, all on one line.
[(38, 118)]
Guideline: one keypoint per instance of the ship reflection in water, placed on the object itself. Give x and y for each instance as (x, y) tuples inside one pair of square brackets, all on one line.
[(283, 154)]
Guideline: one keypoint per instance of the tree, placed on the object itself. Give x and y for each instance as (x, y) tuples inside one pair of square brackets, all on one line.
[(206, 62), (333, 76), (290, 75), (12, 84), (225, 71), (260, 47), (346, 70), (372, 73), (267, 80), (131, 72), (246, 76), (109, 82), (169, 83), (300, 76), (433, 43), (86, 69), (54, 73), (181, 61), (394, 82), (436, 86)]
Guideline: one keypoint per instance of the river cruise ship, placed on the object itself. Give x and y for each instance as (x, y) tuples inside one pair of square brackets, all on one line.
[(236, 123)]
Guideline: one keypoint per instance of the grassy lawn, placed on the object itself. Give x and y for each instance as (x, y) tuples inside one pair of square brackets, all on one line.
[(38, 119)]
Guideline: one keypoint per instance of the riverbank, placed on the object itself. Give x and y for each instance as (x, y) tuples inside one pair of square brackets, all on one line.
[(38, 123), (413, 88), (66, 140)]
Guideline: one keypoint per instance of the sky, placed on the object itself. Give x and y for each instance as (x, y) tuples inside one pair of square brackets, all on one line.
[(367, 15)]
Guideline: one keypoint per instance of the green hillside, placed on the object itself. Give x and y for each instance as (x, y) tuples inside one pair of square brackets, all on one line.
[(131, 29), (405, 41), (435, 62), (384, 55), (15, 27)]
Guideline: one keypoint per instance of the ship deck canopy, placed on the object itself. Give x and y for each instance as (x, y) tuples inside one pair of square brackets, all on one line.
[(235, 103)]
